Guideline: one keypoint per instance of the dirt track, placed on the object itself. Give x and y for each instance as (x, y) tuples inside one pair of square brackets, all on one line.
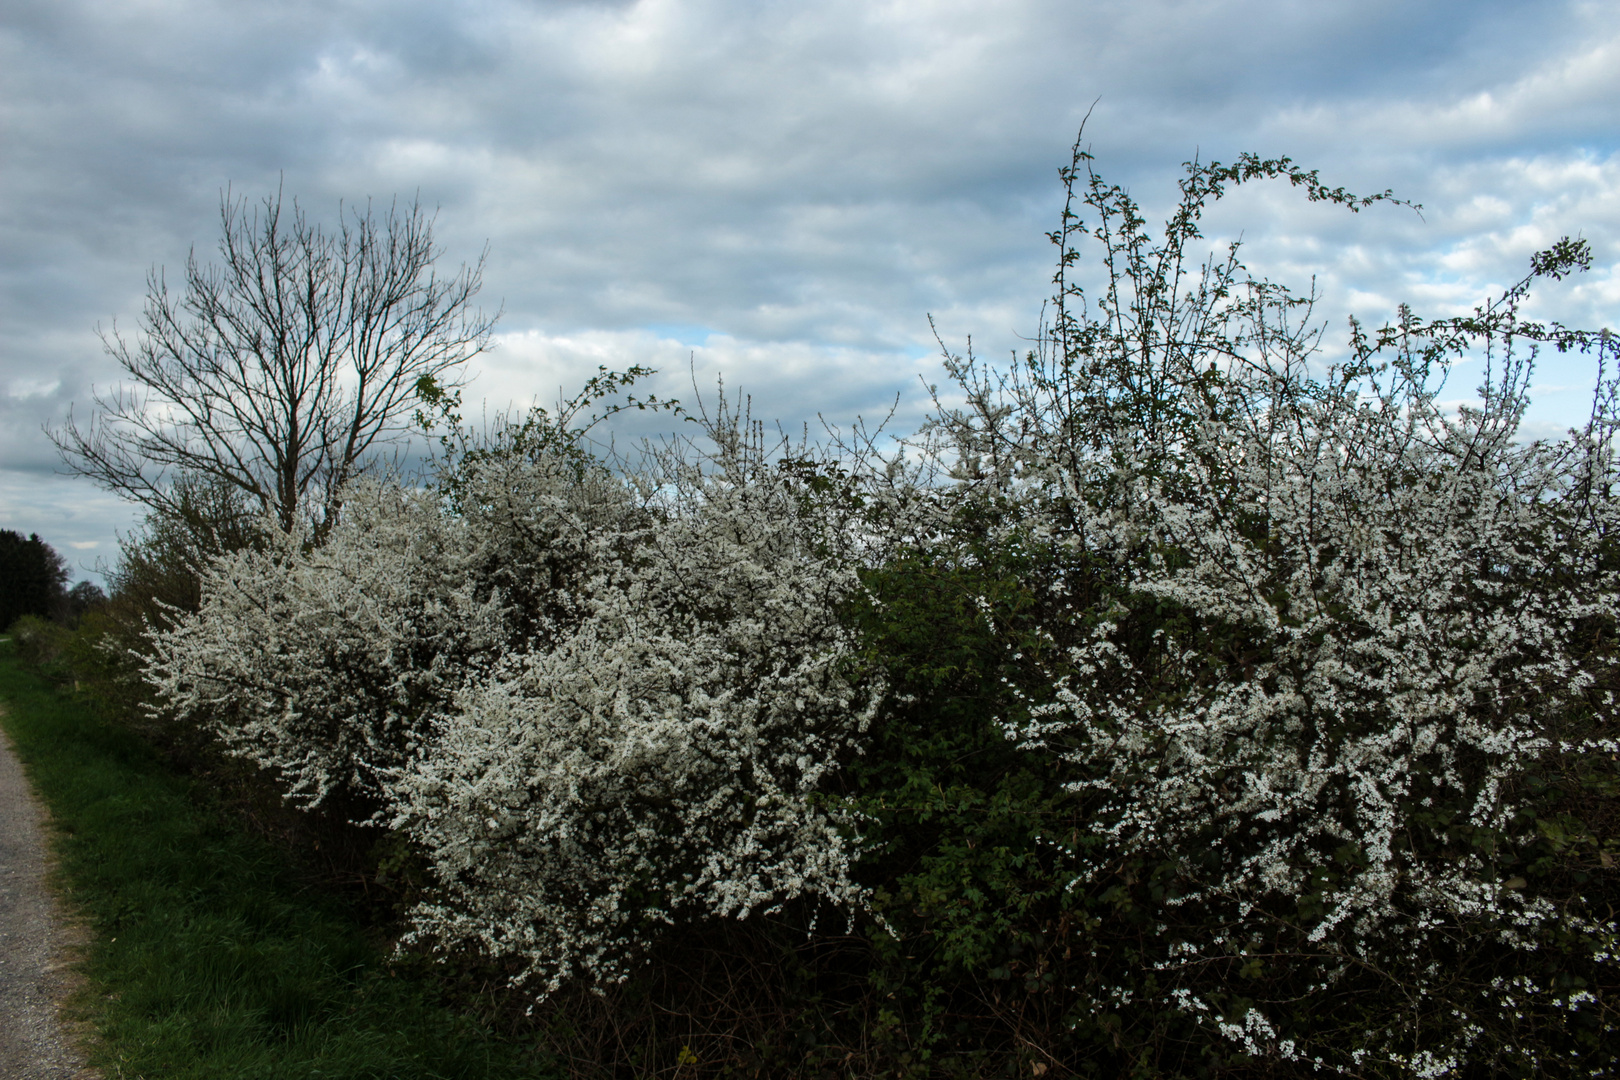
[(33, 942)]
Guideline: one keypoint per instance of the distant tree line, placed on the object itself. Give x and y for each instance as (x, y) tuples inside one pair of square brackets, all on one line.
[(33, 581)]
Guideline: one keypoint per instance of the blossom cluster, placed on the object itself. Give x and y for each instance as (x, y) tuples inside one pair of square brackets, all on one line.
[(1357, 637), (595, 702)]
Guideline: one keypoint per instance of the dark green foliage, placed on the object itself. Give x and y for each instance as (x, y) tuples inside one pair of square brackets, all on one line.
[(978, 923), (33, 578), (82, 599), (989, 954)]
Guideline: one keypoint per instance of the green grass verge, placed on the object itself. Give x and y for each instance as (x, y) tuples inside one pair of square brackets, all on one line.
[(207, 961)]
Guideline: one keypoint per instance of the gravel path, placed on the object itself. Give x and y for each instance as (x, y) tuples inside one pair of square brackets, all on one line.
[(33, 942)]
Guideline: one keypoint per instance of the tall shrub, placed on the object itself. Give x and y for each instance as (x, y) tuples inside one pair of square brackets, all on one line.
[(596, 703), (1342, 725)]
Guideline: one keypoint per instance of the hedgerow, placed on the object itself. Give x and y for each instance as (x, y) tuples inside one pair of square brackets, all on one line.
[(592, 702), (1178, 703)]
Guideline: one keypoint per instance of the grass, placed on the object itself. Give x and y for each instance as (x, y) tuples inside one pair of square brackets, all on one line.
[(207, 959)]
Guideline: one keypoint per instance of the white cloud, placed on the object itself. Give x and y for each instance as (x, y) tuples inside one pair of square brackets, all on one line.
[(25, 388), (791, 382)]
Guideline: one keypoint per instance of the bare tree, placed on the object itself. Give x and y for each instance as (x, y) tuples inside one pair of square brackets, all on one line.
[(279, 372)]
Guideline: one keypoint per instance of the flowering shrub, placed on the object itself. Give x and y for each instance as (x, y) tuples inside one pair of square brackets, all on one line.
[(593, 702), (1343, 703), (324, 664), (1207, 709), (660, 757)]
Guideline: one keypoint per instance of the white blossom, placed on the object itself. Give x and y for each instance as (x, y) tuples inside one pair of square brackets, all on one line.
[(596, 703)]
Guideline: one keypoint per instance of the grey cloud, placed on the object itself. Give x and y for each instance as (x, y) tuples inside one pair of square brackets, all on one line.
[(794, 176)]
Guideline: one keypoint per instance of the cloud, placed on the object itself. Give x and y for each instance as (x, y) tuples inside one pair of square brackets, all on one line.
[(841, 383), (69, 514), (1572, 93), (799, 187)]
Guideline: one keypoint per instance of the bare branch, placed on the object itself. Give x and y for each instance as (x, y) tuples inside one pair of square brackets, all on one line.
[(280, 369)]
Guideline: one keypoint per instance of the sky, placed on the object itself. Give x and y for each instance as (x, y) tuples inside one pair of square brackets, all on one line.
[(777, 194)]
